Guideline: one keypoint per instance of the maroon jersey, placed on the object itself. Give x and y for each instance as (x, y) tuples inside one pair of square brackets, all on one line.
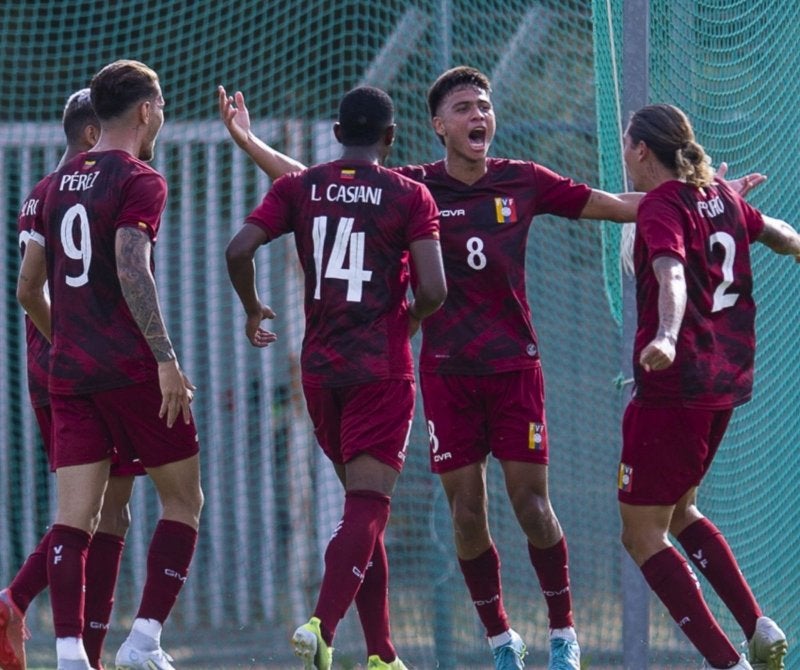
[(353, 223), (484, 326), (38, 348), (710, 231), (97, 345)]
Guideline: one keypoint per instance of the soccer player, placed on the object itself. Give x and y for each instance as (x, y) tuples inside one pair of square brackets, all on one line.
[(693, 363), (115, 383), (480, 373), (355, 224), (82, 129)]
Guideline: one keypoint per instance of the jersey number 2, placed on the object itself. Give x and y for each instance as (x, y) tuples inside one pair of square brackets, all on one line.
[(355, 275), (722, 300)]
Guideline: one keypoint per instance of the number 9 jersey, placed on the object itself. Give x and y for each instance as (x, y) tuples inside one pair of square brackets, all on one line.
[(97, 345), (710, 231)]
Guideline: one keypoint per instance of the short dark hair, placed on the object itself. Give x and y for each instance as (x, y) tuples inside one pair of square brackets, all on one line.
[(457, 77), (78, 113), (667, 131), (120, 85), (364, 114)]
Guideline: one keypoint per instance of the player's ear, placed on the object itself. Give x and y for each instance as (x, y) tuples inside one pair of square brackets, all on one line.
[(337, 132), (438, 125), (91, 134), (144, 110), (389, 135)]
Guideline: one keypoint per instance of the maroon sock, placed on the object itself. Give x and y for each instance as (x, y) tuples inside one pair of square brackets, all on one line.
[(31, 579), (552, 569), (66, 563), (349, 550), (372, 602), (102, 569), (711, 555), (168, 559), (673, 581), (482, 576)]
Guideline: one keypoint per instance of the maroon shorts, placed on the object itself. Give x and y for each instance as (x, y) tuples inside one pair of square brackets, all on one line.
[(666, 451), (471, 416), (372, 419), (121, 424), (119, 468)]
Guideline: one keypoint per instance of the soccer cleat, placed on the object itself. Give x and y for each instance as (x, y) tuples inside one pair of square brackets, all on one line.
[(509, 656), (375, 663), (12, 634), (564, 654), (132, 656), (768, 646), (309, 645)]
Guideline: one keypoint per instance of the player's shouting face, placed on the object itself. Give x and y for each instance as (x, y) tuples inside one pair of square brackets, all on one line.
[(465, 121)]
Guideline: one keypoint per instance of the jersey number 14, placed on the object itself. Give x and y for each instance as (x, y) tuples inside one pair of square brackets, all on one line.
[(354, 274)]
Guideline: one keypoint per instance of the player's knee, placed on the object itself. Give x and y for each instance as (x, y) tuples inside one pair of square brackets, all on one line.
[(534, 513), (115, 521), (469, 520)]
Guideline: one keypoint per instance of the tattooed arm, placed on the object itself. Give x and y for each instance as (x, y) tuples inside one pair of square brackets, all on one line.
[(133, 249)]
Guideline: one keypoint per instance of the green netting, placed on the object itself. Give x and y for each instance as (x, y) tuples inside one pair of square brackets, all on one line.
[(271, 501)]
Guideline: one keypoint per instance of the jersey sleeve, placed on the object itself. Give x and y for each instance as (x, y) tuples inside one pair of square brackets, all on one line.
[(144, 202), (272, 215), (659, 224), (425, 218), (558, 195)]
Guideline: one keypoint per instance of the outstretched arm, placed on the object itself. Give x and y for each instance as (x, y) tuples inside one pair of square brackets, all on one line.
[(660, 352), (619, 207), (780, 237), (236, 118), (239, 256)]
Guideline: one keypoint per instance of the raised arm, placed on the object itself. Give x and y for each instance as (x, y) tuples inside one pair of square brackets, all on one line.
[(431, 289), (30, 287), (133, 249), (236, 118), (780, 237), (239, 256), (619, 207), (660, 352)]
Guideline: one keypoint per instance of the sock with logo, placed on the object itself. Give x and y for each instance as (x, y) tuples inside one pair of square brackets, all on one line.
[(31, 579), (711, 555), (102, 569), (372, 602), (673, 581), (66, 561), (552, 569), (347, 555), (168, 560), (482, 577)]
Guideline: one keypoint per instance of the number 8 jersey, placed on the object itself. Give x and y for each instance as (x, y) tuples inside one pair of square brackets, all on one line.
[(97, 345), (353, 223), (710, 231)]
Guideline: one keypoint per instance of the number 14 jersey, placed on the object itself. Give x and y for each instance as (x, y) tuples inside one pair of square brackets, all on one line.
[(353, 223)]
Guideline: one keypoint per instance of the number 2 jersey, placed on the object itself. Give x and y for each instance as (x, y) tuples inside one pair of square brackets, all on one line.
[(353, 223), (484, 326), (710, 231), (97, 344)]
